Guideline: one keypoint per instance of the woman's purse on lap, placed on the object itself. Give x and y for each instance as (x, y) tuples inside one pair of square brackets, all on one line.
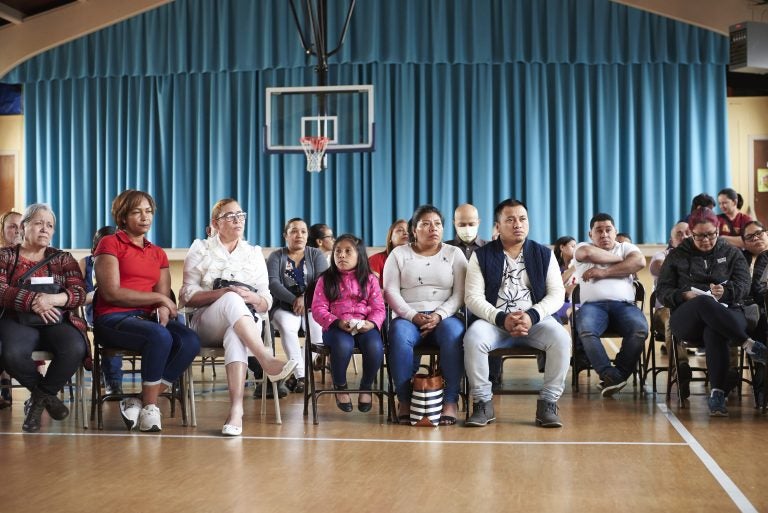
[(31, 318), (426, 399)]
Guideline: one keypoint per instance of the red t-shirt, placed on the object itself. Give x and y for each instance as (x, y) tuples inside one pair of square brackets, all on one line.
[(139, 268), (737, 222), (376, 263)]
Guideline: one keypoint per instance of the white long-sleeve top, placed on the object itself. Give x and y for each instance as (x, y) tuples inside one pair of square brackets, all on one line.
[(474, 294), (414, 283), (208, 259)]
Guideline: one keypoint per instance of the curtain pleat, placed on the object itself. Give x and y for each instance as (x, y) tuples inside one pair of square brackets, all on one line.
[(572, 106)]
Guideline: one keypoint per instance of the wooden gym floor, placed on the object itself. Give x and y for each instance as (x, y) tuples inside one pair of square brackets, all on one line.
[(627, 453)]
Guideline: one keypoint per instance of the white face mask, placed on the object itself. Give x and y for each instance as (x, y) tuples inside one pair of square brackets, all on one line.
[(467, 233)]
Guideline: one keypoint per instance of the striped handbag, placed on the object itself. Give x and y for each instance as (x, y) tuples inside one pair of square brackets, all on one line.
[(426, 399)]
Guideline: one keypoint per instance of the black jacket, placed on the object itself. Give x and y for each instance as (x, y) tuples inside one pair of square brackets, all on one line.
[(686, 267)]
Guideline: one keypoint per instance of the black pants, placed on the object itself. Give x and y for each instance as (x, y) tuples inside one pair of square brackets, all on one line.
[(18, 341), (703, 320)]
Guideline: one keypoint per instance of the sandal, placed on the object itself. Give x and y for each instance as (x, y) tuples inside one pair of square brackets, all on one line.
[(447, 420)]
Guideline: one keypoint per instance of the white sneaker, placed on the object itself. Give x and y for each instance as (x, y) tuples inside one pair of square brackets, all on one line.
[(130, 409), (149, 419)]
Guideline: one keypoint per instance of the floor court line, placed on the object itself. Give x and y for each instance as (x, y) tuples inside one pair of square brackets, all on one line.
[(733, 491), (348, 440)]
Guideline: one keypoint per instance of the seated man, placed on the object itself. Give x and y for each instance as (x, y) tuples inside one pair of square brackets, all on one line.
[(513, 287), (605, 269)]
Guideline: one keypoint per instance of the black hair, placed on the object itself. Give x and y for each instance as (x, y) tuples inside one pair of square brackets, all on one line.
[(332, 275), (509, 202), (600, 217), (288, 223), (733, 196), (562, 241), (316, 231), (100, 234), (421, 211), (755, 222), (702, 200), (623, 234)]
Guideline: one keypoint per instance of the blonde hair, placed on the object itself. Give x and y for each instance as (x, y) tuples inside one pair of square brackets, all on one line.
[(219, 206)]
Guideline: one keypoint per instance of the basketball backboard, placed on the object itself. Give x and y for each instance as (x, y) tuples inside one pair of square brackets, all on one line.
[(344, 114)]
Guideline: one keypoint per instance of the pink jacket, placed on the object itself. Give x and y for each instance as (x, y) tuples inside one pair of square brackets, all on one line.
[(348, 305)]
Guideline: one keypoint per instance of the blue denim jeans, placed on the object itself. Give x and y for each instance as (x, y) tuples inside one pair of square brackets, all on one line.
[(342, 346), (597, 317), (166, 351), (404, 336)]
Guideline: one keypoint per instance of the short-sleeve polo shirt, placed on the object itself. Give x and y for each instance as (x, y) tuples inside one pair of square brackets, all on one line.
[(139, 266)]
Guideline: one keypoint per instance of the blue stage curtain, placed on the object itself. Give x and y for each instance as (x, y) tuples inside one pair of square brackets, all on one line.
[(571, 106)]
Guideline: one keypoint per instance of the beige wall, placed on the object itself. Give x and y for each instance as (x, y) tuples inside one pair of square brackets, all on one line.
[(12, 142), (747, 120)]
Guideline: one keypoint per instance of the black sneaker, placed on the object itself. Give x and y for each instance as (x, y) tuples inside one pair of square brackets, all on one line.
[(612, 382), (34, 414), (301, 384), (55, 408), (684, 376), (482, 414)]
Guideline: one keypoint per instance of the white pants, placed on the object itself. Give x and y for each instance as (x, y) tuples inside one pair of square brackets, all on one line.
[(215, 326), (288, 324), (548, 335)]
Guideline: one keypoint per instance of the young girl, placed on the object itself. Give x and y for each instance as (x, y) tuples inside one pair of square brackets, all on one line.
[(348, 305)]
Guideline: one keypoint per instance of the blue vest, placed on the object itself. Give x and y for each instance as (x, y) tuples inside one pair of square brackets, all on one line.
[(491, 260)]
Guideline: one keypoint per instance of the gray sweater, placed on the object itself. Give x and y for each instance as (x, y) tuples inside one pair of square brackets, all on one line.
[(314, 264)]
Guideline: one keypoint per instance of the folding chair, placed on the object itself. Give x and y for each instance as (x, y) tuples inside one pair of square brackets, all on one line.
[(656, 335), (311, 390), (212, 353), (77, 385), (576, 370), (179, 392)]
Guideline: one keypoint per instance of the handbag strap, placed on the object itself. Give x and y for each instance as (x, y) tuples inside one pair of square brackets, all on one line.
[(32, 269)]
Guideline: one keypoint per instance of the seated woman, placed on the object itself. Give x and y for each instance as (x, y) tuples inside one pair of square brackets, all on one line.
[(564, 248), (698, 278), (731, 222), (397, 235), (321, 237), (756, 242), (225, 314), (58, 329), (424, 286), (10, 235), (111, 368), (133, 309), (348, 305), (290, 270)]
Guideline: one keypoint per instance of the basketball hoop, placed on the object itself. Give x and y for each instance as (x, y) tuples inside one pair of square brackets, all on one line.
[(314, 149)]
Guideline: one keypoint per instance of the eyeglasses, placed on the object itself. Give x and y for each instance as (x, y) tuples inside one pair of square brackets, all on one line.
[(230, 217), (704, 236), (328, 237), (754, 236)]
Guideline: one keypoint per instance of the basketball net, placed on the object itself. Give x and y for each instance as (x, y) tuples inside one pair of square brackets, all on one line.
[(314, 149)]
